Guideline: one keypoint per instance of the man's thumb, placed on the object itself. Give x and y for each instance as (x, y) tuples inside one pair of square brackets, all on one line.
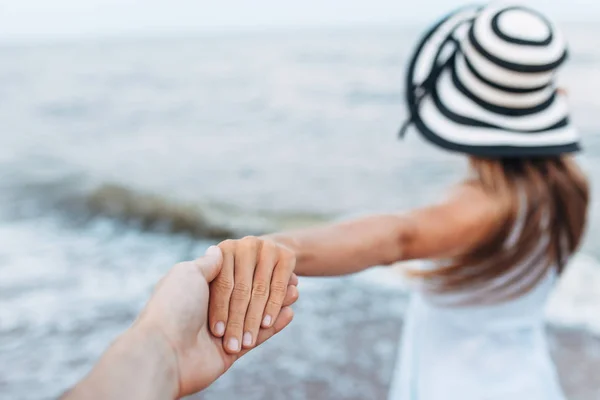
[(210, 265)]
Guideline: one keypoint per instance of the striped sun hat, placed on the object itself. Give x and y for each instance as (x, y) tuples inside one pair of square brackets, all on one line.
[(482, 82)]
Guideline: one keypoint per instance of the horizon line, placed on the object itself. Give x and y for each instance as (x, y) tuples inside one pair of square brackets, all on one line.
[(221, 31)]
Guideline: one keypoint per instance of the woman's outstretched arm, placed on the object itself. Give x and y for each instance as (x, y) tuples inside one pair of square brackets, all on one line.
[(347, 247), (442, 230)]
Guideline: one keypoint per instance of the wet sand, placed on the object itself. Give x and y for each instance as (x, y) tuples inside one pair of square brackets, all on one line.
[(342, 345)]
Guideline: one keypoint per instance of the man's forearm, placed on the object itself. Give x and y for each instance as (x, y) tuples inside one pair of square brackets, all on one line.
[(139, 365)]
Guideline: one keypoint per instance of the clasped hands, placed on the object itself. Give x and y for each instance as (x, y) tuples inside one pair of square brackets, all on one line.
[(252, 286), (202, 316)]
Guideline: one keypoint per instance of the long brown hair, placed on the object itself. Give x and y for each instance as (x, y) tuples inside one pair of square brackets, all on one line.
[(547, 199)]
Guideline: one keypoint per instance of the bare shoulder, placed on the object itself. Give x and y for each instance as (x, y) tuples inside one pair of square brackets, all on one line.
[(469, 201), (466, 217)]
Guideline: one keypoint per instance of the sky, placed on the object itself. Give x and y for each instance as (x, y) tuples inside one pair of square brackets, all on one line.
[(35, 19)]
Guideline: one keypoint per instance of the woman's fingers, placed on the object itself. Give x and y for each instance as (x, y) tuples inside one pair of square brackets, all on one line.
[(260, 293), (220, 292), (246, 254), (255, 282), (279, 284), (285, 317), (257, 307)]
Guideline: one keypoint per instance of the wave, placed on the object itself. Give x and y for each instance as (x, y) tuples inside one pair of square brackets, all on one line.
[(149, 212), (80, 203), (201, 219)]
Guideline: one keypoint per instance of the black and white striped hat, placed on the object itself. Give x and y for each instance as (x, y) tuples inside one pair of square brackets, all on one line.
[(482, 82)]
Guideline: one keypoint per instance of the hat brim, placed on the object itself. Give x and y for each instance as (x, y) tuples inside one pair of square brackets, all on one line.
[(453, 118)]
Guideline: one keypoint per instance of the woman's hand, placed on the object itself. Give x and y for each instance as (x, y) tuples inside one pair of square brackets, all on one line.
[(256, 280)]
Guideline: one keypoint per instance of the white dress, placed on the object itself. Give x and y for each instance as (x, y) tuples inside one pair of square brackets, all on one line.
[(477, 352)]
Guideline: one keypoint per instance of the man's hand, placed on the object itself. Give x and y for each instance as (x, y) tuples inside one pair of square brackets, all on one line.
[(169, 351), (179, 308)]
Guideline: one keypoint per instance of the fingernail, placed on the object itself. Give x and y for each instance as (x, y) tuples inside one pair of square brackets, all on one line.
[(213, 251), (267, 321), (247, 339), (219, 328), (233, 344)]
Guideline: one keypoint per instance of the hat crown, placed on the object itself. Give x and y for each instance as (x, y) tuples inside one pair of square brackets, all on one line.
[(524, 24), (516, 38)]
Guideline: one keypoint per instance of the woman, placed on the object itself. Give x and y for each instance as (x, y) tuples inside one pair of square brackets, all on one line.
[(481, 83)]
